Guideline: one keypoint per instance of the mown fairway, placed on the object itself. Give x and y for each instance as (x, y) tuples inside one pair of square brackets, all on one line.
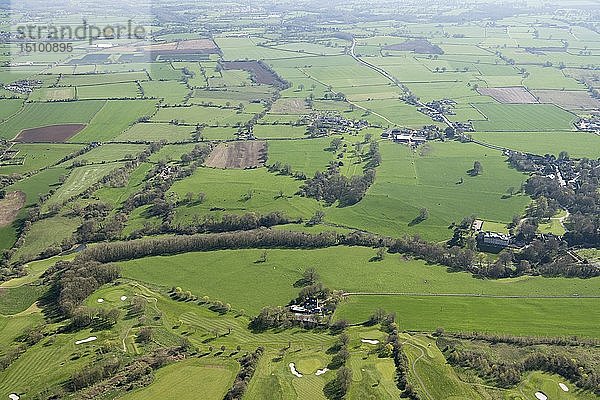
[(212, 379)]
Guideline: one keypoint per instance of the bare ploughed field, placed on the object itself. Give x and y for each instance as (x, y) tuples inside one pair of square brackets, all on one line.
[(569, 99), (10, 206), (238, 155), (509, 95), (49, 134)]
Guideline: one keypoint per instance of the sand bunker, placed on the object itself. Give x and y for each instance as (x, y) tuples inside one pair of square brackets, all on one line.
[(294, 371), (123, 298), (13, 396), (90, 339), (563, 387), (100, 300), (541, 396), (321, 371), (370, 341)]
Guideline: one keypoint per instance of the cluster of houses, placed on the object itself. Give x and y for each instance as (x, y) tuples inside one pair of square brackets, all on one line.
[(591, 124), (22, 86), (325, 124), (436, 109)]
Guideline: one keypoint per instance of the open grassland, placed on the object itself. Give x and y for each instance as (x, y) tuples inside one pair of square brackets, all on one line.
[(102, 79), (114, 118), (18, 299), (110, 152), (170, 92), (171, 152), (155, 132), (46, 233), (308, 156), (235, 277), (78, 181), (9, 107), (523, 118), (212, 378), (33, 187), (117, 195), (526, 317), (241, 191), (36, 156), (126, 90), (53, 94), (430, 178), (35, 115), (577, 144), (193, 115), (280, 132)]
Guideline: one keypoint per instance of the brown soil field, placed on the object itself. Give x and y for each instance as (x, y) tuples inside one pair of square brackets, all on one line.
[(419, 46), (238, 155), (260, 74), (10, 206), (569, 99), (49, 134), (290, 106), (509, 95)]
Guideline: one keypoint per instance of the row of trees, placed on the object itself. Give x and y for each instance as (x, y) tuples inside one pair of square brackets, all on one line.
[(337, 388), (248, 366)]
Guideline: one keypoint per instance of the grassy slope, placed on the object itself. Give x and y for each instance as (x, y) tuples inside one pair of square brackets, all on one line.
[(407, 182)]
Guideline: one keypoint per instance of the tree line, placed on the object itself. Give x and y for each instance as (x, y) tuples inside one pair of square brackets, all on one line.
[(507, 374)]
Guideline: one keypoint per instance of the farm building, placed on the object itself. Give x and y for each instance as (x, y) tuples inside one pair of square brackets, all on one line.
[(405, 136), (493, 239)]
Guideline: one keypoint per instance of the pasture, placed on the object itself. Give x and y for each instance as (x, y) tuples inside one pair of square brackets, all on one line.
[(35, 115), (242, 191), (523, 118), (154, 132), (78, 181), (235, 277), (408, 181), (114, 118)]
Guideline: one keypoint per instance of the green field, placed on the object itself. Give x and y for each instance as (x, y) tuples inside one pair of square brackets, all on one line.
[(113, 118), (407, 182), (35, 115), (78, 181), (525, 317), (154, 132), (523, 118), (211, 378)]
